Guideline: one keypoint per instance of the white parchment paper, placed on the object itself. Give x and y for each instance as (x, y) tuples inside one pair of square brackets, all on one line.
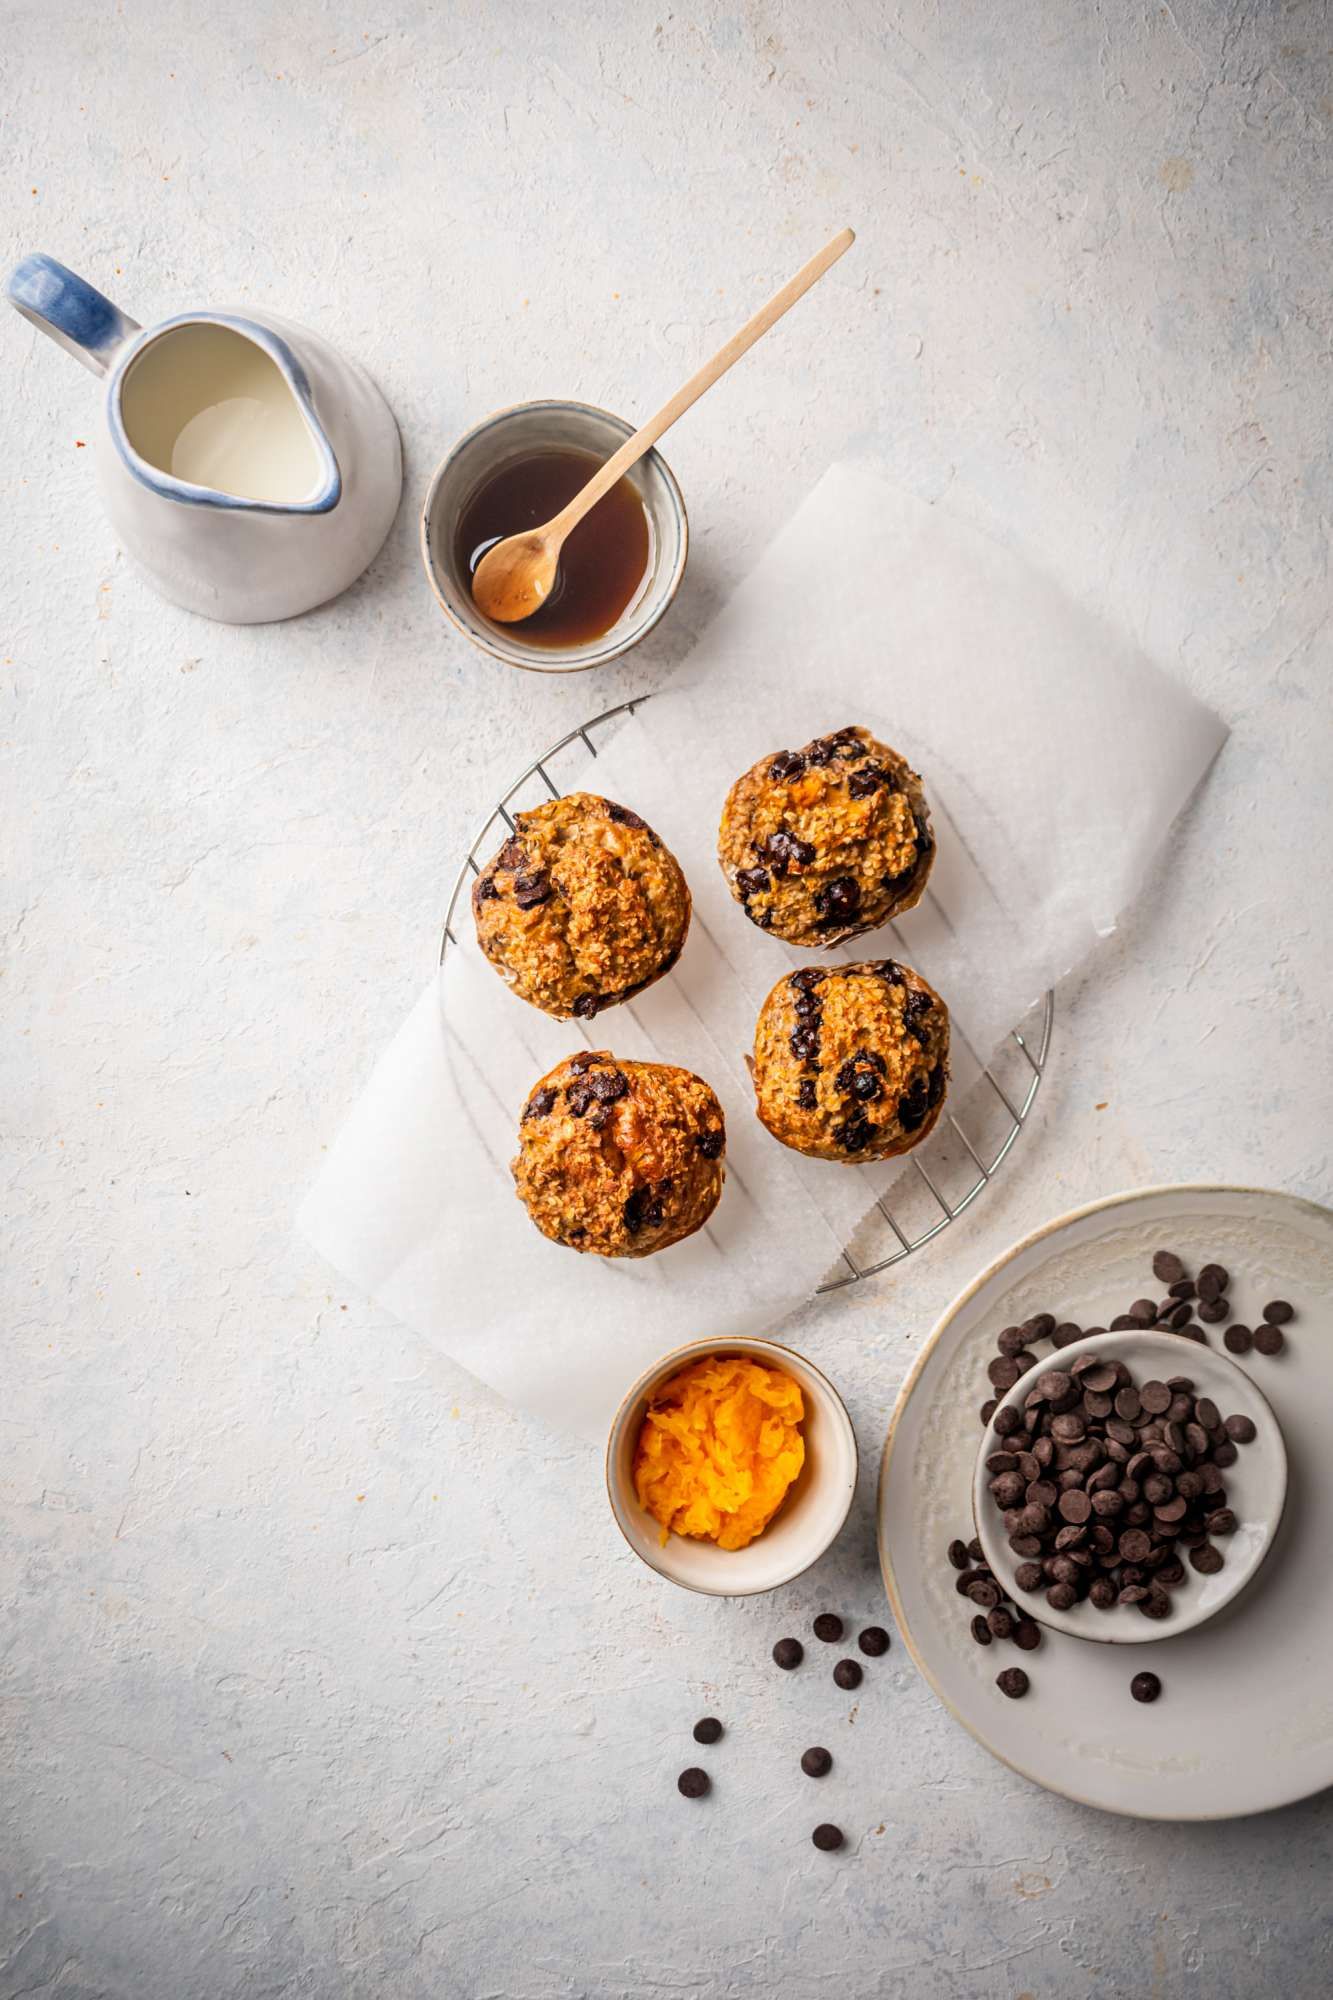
[(1055, 757)]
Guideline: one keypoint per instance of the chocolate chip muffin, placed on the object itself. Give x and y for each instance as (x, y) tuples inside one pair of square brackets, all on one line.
[(822, 844), (619, 1158), (582, 907), (852, 1063)]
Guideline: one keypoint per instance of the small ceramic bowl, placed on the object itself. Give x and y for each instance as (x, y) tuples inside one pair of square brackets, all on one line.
[(809, 1519), (1256, 1488), (515, 433)]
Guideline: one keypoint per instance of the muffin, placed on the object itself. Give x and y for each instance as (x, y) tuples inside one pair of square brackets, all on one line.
[(822, 844), (852, 1063), (582, 907), (619, 1158)]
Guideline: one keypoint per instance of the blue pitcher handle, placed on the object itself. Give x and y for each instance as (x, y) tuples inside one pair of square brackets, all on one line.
[(74, 313)]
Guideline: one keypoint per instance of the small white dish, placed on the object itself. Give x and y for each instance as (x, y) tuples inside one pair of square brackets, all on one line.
[(518, 432), (1256, 1487), (807, 1523)]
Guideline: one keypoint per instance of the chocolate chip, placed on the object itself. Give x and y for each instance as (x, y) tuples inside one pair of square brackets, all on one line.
[(847, 1674), (839, 900), (1013, 1682), (816, 1763), (531, 890), (1144, 1311), (788, 1653), (828, 1627), (805, 1094), (587, 1005), (1155, 1397), (862, 783), (1269, 1339), (624, 817), (511, 855), (1168, 1267), (539, 1105), (913, 1106), (708, 1730), (1206, 1559), (957, 1553), (1027, 1635), (854, 1133), (874, 1641), (787, 764), (643, 1210), (1240, 1429), (752, 882), (1277, 1312), (828, 1838), (1145, 1687), (694, 1783), (485, 891), (804, 1042), (1238, 1339), (1213, 1310), (1212, 1278), (710, 1144), (981, 1630), (784, 850)]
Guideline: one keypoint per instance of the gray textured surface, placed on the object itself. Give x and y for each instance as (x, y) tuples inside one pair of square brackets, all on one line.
[(322, 1673)]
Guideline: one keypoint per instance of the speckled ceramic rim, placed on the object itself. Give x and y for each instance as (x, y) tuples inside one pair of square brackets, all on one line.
[(631, 627), (1124, 1198), (779, 1356), (1239, 1573)]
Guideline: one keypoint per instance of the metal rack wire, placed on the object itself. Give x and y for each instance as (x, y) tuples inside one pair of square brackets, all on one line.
[(997, 1110)]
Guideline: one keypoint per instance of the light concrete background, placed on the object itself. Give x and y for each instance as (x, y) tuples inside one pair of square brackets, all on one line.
[(323, 1673)]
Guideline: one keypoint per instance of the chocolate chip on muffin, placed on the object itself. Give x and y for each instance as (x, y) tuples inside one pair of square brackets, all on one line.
[(851, 1063), (619, 1158), (582, 907), (822, 844)]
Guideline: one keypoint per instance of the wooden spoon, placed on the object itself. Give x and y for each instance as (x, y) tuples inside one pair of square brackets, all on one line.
[(514, 579)]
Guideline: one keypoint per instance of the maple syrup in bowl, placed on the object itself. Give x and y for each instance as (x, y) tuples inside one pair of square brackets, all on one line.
[(619, 568)]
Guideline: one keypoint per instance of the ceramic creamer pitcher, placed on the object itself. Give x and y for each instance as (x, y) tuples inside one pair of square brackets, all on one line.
[(251, 469)]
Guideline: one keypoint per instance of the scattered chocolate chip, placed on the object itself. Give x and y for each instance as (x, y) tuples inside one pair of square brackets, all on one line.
[(828, 1627), (847, 1674), (709, 1729), (981, 1630), (1277, 1312), (816, 1763), (1212, 1278), (1206, 1559), (1145, 1687), (957, 1553), (1027, 1635), (1013, 1682), (874, 1641), (694, 1783), (1168, 1267), (1213, 1310), (1269, 1339), (788, 1653), (827, 1838), (1238, 1339), (1240, 1429)]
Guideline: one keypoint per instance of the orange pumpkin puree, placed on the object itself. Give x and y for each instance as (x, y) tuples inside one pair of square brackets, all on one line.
[(719, 1447)]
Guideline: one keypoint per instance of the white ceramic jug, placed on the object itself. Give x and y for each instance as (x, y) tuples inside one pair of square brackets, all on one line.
[(251, 469)]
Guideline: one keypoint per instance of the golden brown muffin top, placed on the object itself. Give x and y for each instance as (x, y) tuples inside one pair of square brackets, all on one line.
[(582, 907), (619, 1158)]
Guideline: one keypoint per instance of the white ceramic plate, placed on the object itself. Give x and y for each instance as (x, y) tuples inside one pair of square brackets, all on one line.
[(1256, 1486), (1245, 1720)]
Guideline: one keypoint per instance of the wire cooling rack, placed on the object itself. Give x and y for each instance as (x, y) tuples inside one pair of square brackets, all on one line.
[(941, 1177)]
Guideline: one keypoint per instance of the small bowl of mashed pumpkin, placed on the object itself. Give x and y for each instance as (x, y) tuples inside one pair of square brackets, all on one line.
[(731, 1466)]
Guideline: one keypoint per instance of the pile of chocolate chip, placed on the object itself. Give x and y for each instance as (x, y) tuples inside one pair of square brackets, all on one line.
[(1098, 1480)]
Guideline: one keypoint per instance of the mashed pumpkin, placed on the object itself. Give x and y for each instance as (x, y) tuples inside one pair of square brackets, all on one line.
[(719, 1447)]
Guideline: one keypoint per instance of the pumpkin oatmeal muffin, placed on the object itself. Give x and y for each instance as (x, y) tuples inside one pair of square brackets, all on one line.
[(619, 1158), (583, 906), (821, 844), (852, 1063)]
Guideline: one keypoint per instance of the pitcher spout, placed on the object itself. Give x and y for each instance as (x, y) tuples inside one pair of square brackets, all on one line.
[(217, 410)]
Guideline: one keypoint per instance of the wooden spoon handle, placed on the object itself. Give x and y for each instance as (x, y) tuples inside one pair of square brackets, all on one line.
[(647, 435)]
